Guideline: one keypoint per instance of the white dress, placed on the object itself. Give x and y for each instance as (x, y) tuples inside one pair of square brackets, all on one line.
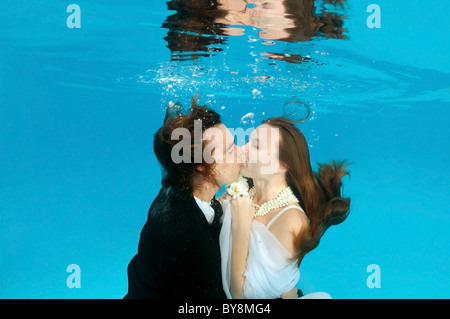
[(271, 271)]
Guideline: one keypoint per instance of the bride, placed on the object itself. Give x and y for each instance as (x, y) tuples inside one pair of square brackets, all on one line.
[(269, 228)]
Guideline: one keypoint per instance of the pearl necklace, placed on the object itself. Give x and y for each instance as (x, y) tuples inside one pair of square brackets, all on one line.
[(285, 197)]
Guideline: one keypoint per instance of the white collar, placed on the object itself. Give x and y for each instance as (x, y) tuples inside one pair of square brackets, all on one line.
[(206, 208)]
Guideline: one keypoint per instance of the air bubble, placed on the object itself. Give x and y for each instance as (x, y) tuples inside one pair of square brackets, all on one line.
[(256, 93), (248, 117)]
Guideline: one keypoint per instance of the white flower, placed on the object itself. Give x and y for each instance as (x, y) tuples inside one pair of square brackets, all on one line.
[(240, 187)]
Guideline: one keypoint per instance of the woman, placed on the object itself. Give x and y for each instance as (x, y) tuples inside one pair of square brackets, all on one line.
[(284, 217)]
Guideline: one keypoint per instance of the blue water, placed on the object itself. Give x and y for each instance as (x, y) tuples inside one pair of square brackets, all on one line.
[(79, 107)]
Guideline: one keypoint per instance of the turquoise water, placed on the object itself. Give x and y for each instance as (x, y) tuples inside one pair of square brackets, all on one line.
[(79, 107)]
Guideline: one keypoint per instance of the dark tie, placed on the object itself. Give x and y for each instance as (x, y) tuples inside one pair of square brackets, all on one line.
[(218, 212)]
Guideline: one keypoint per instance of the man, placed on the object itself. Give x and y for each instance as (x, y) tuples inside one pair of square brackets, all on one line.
[(178, 252)]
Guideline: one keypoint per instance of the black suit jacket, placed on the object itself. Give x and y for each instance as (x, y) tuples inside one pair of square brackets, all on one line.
[(178, 252)]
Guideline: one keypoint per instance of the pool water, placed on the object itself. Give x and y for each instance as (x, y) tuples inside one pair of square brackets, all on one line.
[(79, 107)]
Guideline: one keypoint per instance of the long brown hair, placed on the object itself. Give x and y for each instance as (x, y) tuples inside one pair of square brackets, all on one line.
[(319, 192)]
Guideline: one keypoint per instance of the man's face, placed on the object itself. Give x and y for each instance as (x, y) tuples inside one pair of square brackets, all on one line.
[(224, 152)]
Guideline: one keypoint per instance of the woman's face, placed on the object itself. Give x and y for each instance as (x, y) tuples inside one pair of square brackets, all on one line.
[(262, 153)]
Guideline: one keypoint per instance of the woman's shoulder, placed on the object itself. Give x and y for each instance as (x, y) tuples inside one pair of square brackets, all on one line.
[(289, 226), (293, 218)]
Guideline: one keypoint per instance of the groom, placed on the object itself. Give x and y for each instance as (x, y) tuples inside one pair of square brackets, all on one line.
[(178, 253)]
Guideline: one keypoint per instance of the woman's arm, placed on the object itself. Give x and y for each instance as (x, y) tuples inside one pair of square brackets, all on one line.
[(239, 254), (242, 213)]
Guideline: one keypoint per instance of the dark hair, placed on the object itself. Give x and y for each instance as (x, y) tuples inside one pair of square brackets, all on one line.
[(310, 22), (183, 175), (319, 193)]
